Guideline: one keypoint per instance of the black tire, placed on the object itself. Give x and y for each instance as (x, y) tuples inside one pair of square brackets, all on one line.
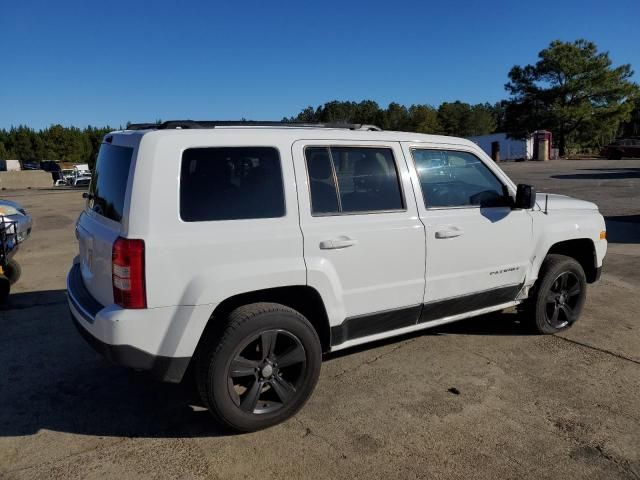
[(13, 271), (5, 289), (238, 372), (558, 296), (615, 156)]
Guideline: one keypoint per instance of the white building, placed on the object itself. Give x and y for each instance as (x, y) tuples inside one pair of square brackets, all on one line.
[(510, 149)]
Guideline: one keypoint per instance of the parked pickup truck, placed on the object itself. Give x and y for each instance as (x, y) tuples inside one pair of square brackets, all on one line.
[(623, 147), (247, 250), (80, 176)]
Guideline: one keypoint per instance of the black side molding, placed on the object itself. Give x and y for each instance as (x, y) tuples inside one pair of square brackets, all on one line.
[(362, 326), (468, 303), (365, 325)]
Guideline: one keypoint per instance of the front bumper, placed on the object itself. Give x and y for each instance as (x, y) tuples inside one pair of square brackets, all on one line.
[(97, 324), (597, 275)]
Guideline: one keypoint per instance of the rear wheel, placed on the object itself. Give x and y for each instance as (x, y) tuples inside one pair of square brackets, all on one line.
[(262, 369), (558, 296)]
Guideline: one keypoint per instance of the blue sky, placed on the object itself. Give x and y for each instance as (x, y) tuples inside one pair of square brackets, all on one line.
[(88, 62)]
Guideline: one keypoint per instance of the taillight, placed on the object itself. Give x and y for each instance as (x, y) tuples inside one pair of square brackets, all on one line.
[(128, 273)]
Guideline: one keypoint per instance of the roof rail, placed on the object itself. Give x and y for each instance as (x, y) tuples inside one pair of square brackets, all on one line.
[(187, 124)]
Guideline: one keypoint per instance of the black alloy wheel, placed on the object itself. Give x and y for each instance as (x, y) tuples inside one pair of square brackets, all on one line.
[(267, 371), (562, 299), (556, 299), (259, 367)]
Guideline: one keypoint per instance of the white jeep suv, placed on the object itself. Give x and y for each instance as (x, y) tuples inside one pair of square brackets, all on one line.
[(248, 249)]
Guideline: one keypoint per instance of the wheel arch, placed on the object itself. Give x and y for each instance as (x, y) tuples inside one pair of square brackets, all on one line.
[(583, 251), (302, 298)]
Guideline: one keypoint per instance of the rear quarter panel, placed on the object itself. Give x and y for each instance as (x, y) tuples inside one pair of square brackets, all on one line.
[(196, 263)]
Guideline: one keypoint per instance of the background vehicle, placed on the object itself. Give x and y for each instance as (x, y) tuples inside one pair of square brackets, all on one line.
[(80, 176), (623, 147), (30, 165), (64, 177), (15, 227), (50, 166), (257, 247), (14, 212)]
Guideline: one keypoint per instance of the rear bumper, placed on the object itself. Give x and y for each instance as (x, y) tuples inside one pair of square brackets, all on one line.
[(103, 328), (167, 369)]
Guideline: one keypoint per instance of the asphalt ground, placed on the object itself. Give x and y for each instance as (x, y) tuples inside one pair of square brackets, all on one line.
[(477, 399)]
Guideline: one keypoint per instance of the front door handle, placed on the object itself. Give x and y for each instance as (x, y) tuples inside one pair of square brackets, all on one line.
[(336, 243), (449, 233)]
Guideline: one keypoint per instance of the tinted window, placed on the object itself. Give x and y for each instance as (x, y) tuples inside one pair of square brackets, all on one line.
[(109, 182), (454, 179), (324, 197), (231, 183), (367, 180)]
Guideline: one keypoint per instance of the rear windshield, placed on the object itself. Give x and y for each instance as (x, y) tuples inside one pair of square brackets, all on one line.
[(231, 183), (109, 182)]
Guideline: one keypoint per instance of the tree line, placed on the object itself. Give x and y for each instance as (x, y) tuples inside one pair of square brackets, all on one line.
[(450, 118), (573, 90), (70, 144)]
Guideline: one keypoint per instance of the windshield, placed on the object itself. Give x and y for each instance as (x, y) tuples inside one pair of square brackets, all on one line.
[(109, 182)]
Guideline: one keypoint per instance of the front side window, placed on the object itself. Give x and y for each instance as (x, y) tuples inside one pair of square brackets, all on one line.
[(457, 179), (231, 183), (352, 180)]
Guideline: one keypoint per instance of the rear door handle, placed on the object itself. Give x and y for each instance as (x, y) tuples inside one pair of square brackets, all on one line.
[(336, 243), (449, 233)]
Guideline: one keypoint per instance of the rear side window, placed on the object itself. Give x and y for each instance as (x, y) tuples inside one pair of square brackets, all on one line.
[(352, 180), (109, 182), (231, 183)]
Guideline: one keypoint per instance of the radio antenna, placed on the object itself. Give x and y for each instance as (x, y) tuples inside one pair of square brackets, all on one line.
[(546, 204)]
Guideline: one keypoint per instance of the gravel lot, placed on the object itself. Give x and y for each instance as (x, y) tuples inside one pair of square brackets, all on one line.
[(476, 399)]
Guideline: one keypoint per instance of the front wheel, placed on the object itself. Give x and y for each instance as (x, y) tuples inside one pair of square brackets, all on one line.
[(558, 296), (262, 369)]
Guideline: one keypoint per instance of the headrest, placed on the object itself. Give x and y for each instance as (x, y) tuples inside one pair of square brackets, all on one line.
[(319, 166), (368, 165)]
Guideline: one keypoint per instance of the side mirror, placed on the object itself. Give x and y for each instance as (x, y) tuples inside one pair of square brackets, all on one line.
[(525, 197)]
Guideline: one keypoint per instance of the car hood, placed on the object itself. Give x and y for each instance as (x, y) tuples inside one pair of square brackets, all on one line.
[(562, 202)]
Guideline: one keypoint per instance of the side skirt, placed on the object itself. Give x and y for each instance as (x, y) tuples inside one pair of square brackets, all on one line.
[(468, 303), (420, 326), (356, 330)]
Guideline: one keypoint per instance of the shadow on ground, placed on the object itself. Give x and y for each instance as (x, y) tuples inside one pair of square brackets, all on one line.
[(623, 228), (54, 381), (602, 174)]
